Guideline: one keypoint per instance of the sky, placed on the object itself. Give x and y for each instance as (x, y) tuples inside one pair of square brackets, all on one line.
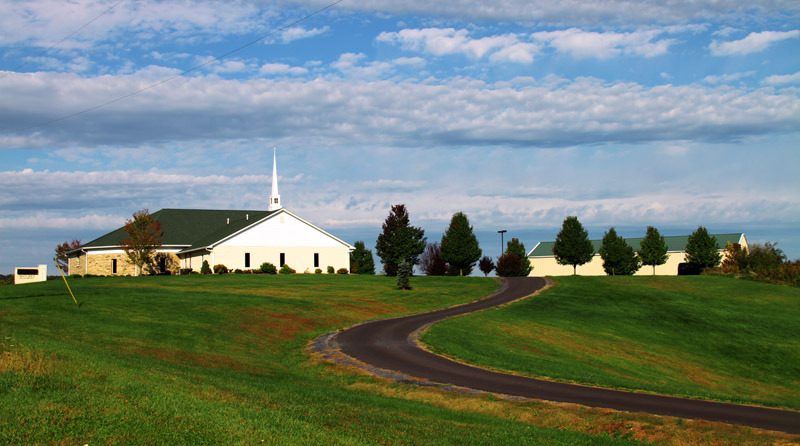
[(675, 114)]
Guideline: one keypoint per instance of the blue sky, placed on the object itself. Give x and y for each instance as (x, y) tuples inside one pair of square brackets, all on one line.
[(519, 113)]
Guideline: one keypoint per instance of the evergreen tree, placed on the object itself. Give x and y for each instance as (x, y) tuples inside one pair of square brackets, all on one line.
[(404, 272), (399, 241), (619, 259), (361, 261), (486, 265), (653, 249), (508, 265), (460, 246), (702, 250), (572, 245), (431, 261), (517, 248)]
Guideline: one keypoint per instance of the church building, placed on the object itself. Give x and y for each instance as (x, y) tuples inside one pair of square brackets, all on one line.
[(238, 239)]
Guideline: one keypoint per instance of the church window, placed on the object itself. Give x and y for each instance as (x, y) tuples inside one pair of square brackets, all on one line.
[(113, 266), (247, 260), (283, 259), (316, 260)]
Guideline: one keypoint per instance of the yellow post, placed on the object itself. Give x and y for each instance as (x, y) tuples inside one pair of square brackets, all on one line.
[(65, 282)]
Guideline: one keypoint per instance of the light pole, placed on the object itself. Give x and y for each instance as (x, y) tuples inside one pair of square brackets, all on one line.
[(501, 232)]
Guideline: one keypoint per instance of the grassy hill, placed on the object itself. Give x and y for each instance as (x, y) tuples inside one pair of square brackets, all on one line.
[(221, 360), (702, 337)]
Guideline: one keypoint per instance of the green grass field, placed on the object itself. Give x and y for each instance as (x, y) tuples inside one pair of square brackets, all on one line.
[(221, 360), (704, 337)]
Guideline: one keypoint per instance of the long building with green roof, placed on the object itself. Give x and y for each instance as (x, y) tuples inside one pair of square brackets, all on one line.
[(544, 262), (238, 239)]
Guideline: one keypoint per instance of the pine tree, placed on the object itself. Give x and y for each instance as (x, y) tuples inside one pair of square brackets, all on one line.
[(702, 250), (619, 259), (653, 249), (517, 248), (572, 246), (460, 246), (404, 272), (361, 261), (399, 241)]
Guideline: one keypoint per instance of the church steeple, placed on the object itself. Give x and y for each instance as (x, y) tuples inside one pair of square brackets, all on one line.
[(274, 197)]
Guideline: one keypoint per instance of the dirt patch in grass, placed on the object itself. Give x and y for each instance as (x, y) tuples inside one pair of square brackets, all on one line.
[(204, 360), (274, 326), (659, 430)]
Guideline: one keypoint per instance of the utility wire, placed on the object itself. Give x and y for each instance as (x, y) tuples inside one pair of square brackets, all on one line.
[(164, 81), (62, 40)]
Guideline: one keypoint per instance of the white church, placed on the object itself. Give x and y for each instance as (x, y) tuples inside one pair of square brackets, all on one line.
[(238, 239)]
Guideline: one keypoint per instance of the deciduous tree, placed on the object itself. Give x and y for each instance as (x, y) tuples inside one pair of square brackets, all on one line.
[(572, 246), (431, 262), (144, 239), (619, 258), (460, 246), (61, 253), (361, 261), (486, 265), (702, 249), (653, 249), (399, 241)]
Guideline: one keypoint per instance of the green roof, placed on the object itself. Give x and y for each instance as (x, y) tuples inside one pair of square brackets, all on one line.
[(674, 243), (190, 228)]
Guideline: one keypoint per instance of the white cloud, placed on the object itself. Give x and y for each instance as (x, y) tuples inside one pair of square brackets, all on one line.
[(447, 41), (578, 12), (588, 44), (448, 112), (725, 78), (753, 43), (298, 32), (282, 68), (782, 79)]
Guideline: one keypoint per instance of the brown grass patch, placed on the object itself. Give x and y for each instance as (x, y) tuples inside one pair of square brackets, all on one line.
[(205, 360), (273, 326), (20, 359), (669, 431)]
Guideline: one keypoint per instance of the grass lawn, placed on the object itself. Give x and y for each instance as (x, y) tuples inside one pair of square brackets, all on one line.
[(221, 360), (707, 337)]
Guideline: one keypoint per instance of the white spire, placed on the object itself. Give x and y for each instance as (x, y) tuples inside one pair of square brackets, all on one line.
[(274, 197)]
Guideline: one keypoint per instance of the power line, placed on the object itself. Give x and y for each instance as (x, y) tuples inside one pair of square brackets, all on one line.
[(163, 81), (62, 40)]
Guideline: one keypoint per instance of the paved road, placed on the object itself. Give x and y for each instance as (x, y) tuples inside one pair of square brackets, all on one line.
[(385, 344)]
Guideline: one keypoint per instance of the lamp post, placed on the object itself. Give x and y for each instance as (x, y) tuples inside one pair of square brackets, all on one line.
[(501, 232)]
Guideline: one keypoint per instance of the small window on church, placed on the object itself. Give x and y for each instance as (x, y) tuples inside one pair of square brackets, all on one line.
[(283, 259), (316, 260), (275, 200), (247, 260), (113, 266)]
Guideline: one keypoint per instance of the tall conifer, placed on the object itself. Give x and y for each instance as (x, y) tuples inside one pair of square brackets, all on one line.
[(653, 249), (460, 246), (399, 241)]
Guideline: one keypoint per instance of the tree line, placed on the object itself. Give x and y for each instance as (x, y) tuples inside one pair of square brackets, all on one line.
[(401, 246)]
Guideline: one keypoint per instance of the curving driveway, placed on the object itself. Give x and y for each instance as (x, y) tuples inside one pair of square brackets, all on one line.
[(389, 344)]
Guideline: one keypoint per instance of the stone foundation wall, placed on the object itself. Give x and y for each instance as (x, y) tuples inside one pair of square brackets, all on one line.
[(100, 265)]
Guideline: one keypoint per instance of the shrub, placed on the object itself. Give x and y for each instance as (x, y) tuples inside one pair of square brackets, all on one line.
[(238, 271), (330, 269), (342, 271), (404, 271), (509, 265), (205, 269), (317, 271), (268, 268), (185, 271), (286, 269), (220, 269)]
